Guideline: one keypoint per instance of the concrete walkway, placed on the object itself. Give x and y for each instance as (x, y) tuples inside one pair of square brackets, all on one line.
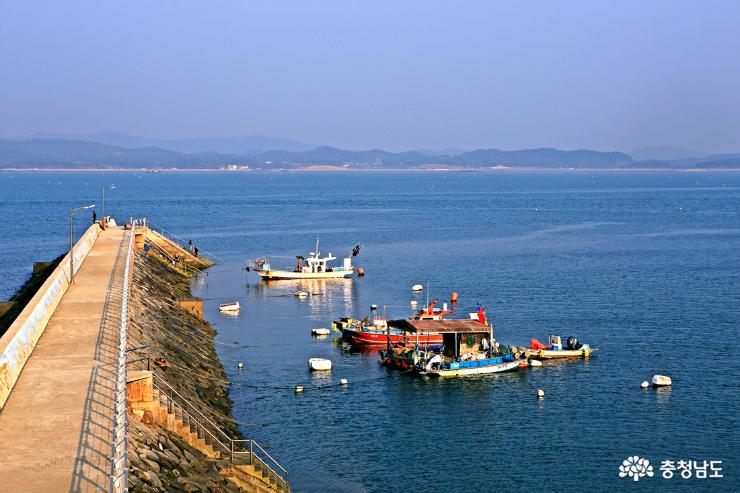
[(56, 427)]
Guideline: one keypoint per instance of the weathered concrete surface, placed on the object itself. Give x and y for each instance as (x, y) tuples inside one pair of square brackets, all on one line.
[(18, 342), (55, 426)]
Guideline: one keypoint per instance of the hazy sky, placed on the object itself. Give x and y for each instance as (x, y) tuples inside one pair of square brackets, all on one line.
[(395, 74)]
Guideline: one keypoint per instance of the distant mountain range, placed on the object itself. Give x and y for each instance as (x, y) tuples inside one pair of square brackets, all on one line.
[(113, 150), (249, 145)]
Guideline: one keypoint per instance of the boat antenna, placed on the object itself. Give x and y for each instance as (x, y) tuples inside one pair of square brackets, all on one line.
[(317, 246)]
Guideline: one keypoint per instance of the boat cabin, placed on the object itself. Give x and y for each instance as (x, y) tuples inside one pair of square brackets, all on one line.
[(315, 264), (462, 339)]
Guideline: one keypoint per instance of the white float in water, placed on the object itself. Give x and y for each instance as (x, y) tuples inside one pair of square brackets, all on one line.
[(301, 294), (321, 331), (644, 384), (319, 364), (344, 381), (661, 381), (535, 362), (240, 365), (299, 388), (413, 303), (417, 287), (540, 394)]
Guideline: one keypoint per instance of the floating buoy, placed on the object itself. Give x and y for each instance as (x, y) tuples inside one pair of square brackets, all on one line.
[(413, 303), (453, 297), (299, 388), (373, 306), (301, 294), (343, 381), (535, 362), (540, 394), (360, 271), (319, 364), (321, 331), (417, 287), (661, 381), (644, 384), (240, 365)]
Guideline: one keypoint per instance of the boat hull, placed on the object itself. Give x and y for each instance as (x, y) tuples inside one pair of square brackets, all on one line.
[(557, 354), (361, 338), (281, 275), (479, 370), (229, 307)]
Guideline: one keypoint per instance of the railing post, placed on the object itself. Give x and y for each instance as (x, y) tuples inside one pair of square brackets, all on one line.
[(232, 453), (251, 453)]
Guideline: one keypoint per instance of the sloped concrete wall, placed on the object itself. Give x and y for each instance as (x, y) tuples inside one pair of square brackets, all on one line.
[(20, 339)]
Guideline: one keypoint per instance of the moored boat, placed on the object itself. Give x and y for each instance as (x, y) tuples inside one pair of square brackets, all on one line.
[(555, 349), (379, 332), (312, 267), (469, 349), (229, 307)]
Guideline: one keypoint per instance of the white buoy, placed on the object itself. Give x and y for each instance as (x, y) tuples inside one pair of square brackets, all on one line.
[(319, 364), (644, 384), (299, 388), (373, 306), (240, 365), (535, 362), (661, 381), (413, 303), (540, 394), (321, 331), (301, 294), (417, 287), (344, 381)]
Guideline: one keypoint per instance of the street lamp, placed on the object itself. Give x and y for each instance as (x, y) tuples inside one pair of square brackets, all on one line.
[(71, 244), (108, 187)]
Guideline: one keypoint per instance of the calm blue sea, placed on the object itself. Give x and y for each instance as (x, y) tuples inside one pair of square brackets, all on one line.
[(646, 267)]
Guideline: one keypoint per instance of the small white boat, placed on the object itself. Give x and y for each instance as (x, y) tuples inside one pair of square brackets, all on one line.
[(229, 307), (319, 364), (301, 294), (417, 287), (321, 331)]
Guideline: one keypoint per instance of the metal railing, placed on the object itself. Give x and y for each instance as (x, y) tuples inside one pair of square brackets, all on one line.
[(240, 452), (119, 445), (181, 241)]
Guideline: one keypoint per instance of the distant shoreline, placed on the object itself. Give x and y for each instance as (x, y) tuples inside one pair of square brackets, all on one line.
[(340, 169)]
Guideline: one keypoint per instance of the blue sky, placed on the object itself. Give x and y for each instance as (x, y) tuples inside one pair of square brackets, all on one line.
[(390, 74)]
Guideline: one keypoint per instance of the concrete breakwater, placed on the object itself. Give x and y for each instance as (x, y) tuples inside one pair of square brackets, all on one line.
[(182, 436), (160, 459), (128, 322), (19, 341)]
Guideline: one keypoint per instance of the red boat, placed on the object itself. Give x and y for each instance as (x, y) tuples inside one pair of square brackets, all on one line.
[(376, 333), (367, 336)]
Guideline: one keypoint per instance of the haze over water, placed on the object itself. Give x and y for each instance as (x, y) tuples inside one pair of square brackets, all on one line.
[(646, 267)]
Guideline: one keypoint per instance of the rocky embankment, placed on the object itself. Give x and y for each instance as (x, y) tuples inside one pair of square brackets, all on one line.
[(160, 459)]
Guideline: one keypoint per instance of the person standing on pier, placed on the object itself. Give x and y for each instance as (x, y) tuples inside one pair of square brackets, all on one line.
[(190, 246), (94, 217)]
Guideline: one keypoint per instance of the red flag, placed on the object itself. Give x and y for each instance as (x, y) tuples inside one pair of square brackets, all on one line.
[(482, 315)]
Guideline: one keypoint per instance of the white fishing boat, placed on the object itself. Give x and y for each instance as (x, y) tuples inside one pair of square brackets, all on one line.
[(229, 307), (312, 267)]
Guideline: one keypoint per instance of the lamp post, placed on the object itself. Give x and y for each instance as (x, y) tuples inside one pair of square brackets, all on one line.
[(107, 187), (72, 210)]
